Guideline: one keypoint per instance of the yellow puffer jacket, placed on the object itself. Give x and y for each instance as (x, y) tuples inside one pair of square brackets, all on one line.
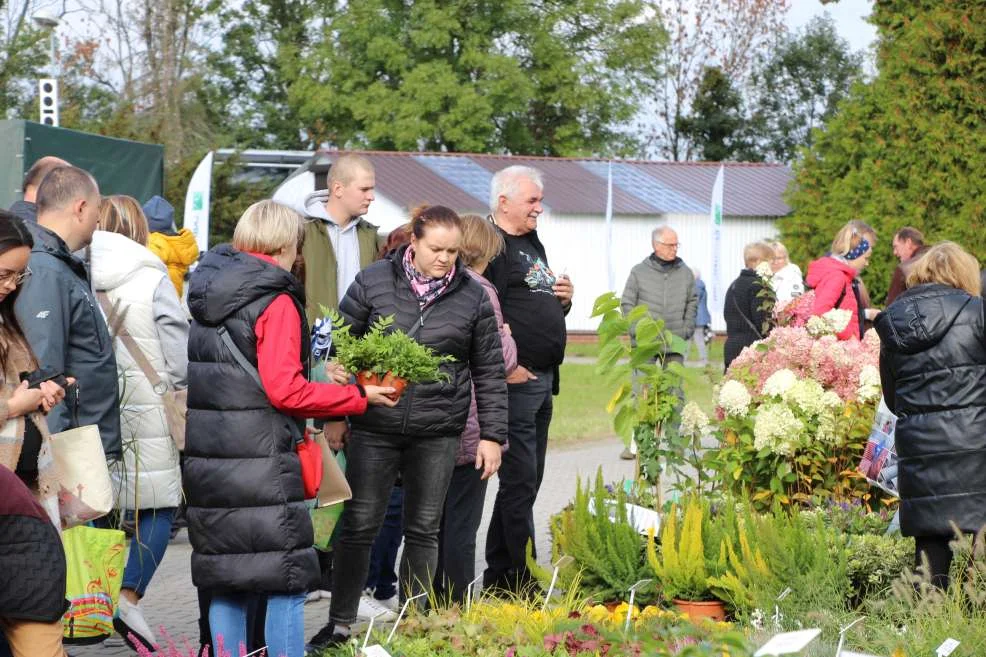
[(178, 252)]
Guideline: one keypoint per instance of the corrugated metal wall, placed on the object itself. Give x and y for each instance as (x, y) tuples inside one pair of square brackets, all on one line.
[(578, 244)]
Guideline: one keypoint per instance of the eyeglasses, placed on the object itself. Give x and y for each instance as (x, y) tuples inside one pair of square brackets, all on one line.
[(670, 246), (17, 277)]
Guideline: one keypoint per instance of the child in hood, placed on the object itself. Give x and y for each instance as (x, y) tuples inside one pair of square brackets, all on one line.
[(176, 248)]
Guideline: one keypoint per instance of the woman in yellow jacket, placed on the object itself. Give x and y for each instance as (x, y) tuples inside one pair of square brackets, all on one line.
[(176, 248)]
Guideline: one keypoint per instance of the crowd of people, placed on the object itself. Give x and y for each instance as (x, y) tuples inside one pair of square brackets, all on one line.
[(93, 302)]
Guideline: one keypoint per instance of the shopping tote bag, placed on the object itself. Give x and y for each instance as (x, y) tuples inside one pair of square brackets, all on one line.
[(94, 560)]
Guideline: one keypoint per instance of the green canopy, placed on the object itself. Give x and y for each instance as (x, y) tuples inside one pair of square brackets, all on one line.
[(119, 166)]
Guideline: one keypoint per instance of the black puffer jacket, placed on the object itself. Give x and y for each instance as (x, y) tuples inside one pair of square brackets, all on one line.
[(461, 325), (32, 560), (933, 370), (743, 314), (248, 523)]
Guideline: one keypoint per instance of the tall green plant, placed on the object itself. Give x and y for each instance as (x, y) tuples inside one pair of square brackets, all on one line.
[(680, 565)]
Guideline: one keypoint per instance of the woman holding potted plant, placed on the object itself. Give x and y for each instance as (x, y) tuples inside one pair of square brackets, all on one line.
[(248, 522), (427, 290)]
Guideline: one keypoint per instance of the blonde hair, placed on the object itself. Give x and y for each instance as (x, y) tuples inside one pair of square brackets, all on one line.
[(850, 235), (756, 252), (267, 227), (123, 214), (346, 168), (949, 264), (481, 241)]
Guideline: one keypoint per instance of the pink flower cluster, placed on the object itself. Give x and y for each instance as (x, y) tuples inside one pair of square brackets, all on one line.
[(833, 363), (796, 311)]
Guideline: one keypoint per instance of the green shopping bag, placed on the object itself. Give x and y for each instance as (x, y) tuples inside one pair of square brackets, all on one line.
[(94, 559), (325, 519)]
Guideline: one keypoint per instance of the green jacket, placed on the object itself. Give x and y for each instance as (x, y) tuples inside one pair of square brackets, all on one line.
[(321, 280)]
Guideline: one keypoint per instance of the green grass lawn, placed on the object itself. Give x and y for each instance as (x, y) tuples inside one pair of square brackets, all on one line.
[(591, 350), (580, 409)]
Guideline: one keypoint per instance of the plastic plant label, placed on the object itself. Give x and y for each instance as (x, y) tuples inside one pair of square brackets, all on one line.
[(788, 643), (947, 647), (852, 653), (376, 650)]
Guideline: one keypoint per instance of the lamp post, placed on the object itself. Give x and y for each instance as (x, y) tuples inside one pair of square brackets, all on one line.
[(48, 87)]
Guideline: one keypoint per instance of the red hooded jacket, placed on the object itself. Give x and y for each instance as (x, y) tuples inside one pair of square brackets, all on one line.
[(831, 279)]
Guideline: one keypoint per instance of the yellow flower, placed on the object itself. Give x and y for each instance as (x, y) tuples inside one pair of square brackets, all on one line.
[(597, 613)]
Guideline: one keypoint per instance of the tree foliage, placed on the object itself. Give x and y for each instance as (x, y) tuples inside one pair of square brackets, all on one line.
[(717, 126), (23, 53), (908, 148), (797, 86), (550, 77)]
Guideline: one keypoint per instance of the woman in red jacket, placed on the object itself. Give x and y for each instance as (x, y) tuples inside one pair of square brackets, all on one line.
[(834, 277)]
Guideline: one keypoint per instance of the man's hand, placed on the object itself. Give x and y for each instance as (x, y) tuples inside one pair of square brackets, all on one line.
[(336, 434), (521, 375), (488, 455), (563, 289)]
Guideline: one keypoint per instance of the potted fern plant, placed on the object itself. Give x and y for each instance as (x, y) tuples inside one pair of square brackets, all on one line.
[(385, 355), (680, 566)]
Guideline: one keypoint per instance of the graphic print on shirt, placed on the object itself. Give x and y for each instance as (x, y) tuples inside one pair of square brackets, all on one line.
[(539, 276)]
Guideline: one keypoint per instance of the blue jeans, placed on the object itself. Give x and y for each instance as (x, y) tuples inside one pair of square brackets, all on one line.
[(284, 628), (147, 547), (382, 577)]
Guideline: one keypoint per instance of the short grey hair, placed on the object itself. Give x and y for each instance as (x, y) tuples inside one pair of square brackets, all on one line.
[(505, 182), (660, 230)]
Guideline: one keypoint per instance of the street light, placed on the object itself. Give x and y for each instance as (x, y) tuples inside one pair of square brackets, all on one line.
[(48, 87)]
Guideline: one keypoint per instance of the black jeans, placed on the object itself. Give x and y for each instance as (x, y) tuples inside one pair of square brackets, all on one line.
[(939, 556), (521, 472), (372, 463), (383, 556), (457, 538)]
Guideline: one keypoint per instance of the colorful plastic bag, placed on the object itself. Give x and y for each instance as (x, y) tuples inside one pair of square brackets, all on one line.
[(94, 558)]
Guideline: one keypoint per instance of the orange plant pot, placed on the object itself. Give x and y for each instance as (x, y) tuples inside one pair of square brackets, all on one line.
[(711, 609), (366, 378)]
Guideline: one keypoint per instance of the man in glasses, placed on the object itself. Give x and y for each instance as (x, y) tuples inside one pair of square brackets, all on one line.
[(666, 285)]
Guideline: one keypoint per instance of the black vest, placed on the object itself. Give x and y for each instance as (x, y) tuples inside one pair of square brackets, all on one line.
[(248, 523)]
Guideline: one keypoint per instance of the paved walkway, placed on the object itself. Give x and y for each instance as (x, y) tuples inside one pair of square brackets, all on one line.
[(171, 602)]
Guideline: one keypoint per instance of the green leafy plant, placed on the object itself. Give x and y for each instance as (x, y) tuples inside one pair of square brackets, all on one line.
[(680, 564), (385, 348)]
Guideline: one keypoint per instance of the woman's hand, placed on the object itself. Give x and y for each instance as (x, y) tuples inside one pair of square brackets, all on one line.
[(377, 396), (488, 455), (24, 400), (336, 434), (52, 394), (337, 373)]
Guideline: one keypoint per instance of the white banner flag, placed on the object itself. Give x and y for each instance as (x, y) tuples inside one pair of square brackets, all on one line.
[(196, 217), (610, 277), (714, 284)]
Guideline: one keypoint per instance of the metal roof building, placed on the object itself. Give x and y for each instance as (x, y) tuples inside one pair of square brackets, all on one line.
[(574, 230)]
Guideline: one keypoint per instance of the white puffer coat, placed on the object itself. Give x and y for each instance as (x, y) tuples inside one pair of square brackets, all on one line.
[(130, 274)]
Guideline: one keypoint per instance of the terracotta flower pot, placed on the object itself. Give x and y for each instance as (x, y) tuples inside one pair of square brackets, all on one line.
[(695, 609), (367, 378)]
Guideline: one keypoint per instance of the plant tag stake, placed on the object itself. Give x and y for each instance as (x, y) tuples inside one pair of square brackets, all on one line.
[(842, 635), (777, 610), (469, 590), (561, 563), (946, 648), (851, 653), (255, 652), (376, 650), (788, 643), (400, 616), (633, 593)]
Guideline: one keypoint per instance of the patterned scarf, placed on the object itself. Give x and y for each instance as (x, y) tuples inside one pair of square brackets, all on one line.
[(425, 288), (12, 430)]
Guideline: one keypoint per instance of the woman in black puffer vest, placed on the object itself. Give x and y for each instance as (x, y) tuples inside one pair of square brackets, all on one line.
[(421, 284), (248, 522), (933, 371)]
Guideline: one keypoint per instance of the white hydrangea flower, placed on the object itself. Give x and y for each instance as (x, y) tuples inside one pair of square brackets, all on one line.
[(779, 382), (808, 395), (777, 428), (694, 421), (817, 327), (826, 432), (764, 271), (831, 400), (734, 398), (869, 384), (838, 319)]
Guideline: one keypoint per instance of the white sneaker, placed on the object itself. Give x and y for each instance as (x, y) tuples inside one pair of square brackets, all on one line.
[(369, 607), (390, 603), (130, 623), (318, 594)]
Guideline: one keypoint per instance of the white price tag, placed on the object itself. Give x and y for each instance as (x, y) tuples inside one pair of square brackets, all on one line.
[(946, 648), (376, 650), (788, 643)]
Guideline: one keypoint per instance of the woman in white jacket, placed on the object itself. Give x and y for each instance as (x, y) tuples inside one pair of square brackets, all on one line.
[(139, 299)]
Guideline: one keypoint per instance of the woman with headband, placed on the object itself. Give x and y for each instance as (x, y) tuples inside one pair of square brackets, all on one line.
[(834, 277)]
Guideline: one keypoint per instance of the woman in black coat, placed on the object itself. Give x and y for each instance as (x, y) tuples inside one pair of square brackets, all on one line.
[(746, 320), (428, 291), (933, 371)]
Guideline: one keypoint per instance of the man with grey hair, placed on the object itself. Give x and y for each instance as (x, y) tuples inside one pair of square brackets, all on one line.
[(534, 301), (26, 208), (664, 284), (56, 308)]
